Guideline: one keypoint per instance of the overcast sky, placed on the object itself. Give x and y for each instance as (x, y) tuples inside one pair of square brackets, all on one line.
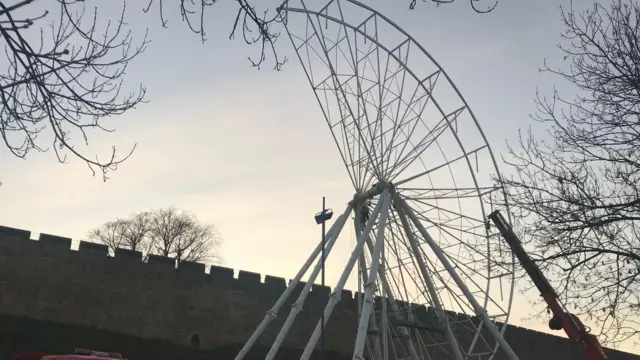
[(248, 150)]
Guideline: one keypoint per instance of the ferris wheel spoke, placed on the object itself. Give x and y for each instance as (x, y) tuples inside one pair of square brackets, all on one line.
[(426, 277), (324, 106), (448, 231), (401, 60), (478, 309), (407, 268), (417, 149), (398, 121), (432, 137), (373, 159), (377, 99), (347, 126), (401, 258), (423, 100), (472, 222), (361, 101), (387, 288), (378, 103), (446, 217), (431, 170), (464, 262), (391, 147), (399, 125), (426, 194), (463, 267), (346, 109)]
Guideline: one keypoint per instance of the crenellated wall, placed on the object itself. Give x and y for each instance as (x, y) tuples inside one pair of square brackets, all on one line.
[(44, 280)]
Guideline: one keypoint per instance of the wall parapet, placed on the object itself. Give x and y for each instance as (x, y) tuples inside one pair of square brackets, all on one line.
[(55, 245), (192, 275)]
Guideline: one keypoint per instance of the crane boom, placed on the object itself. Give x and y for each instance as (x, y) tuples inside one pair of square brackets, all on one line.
[(561, 320)]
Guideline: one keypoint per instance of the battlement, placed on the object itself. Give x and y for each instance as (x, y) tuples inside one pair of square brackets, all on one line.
[(195, 273), (158, 299)]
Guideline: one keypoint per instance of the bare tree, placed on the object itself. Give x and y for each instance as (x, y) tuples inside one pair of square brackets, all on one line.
[(197, 244), (131, 233), (577, 193), (135, 231), (168, 226), (110, 234), (168, 232), (67, 77), (65, 80), (180, 235)]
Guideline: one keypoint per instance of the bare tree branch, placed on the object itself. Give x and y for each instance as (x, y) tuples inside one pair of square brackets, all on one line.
[(489, 7), (72, 79), (577, 195), (66, 83), (110, 234), (256, 29), (135, 232)]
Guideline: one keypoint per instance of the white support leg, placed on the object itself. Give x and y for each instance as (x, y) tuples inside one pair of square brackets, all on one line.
[(297, 307), (385, 314), (413, 355), (479, 310), (426, 278), (370, 286), (334, 298), (273, 312), (363, 271)]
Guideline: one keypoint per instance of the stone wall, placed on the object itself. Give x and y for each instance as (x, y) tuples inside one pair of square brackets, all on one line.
[(45, 282)]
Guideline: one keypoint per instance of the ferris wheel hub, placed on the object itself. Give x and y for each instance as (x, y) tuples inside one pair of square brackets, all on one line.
[(375, 190)]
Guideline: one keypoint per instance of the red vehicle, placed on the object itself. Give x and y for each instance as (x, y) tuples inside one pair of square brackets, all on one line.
[(79, 354)]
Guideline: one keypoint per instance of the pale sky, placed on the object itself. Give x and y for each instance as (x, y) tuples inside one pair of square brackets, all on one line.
[(249, 150)]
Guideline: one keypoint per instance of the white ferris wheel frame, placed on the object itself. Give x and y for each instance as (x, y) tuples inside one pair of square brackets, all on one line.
[(373, 246)]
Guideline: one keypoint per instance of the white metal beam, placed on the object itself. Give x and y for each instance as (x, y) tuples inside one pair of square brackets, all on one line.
[(336, 294), (480, 311)]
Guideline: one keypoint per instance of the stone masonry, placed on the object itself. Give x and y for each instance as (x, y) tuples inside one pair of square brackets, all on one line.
[(45, 280)]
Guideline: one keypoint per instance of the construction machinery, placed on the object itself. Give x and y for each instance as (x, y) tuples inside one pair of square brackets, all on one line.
[(562, 319)]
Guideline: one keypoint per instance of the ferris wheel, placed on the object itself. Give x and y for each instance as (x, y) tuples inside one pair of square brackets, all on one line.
[(421, 170)]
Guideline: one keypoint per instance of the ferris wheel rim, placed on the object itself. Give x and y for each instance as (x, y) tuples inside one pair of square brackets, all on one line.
[(466, 154), (285, 10), (441, 70)]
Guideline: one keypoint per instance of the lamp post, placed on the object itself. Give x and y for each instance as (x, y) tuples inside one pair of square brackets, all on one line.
[(321, 219)]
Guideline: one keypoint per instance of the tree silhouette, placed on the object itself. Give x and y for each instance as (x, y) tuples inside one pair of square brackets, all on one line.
[(168, 232), (577, 195), (65, 80), (257, 27)]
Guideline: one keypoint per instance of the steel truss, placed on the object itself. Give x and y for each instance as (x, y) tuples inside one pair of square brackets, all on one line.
[(393, 324), (421, 231)]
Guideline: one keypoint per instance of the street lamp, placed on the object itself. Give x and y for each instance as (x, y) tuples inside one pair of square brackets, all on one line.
[(321, 219)]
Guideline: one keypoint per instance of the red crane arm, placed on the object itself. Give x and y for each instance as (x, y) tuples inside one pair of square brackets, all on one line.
[(570, 323)]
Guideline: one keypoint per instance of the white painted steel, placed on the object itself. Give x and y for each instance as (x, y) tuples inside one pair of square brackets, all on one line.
[(334, 298), (297, 307), (370, 286), (273, 312), (442, 257)]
